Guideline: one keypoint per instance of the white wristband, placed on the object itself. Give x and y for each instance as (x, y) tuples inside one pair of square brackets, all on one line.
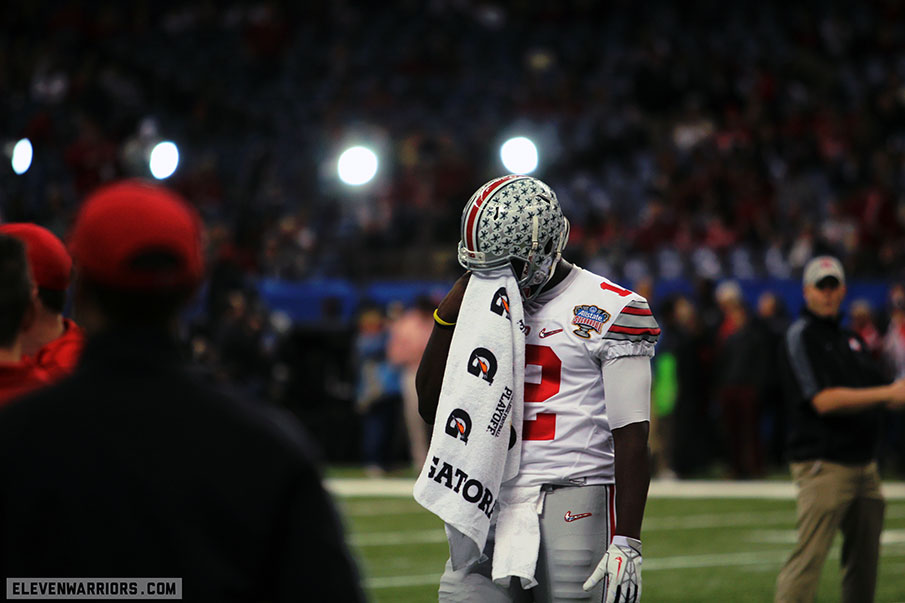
[(632, 543)]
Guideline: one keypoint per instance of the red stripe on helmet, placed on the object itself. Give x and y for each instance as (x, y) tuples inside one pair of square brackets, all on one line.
[(476, 206)]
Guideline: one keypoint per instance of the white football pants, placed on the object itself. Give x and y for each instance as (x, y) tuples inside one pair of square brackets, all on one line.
[(576, 527)]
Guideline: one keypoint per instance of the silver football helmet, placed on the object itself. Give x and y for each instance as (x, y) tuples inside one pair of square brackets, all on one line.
[(514, 220)]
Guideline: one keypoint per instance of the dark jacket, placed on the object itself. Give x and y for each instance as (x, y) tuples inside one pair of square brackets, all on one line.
[(817, 354), (134, 468)]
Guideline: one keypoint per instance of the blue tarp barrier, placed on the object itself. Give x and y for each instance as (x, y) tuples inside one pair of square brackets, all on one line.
[(304, 301)]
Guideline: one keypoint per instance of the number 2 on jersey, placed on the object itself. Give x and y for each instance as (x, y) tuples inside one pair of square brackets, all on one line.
[(544, 426)]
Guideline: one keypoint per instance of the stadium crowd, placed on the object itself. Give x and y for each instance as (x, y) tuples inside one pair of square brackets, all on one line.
[(683, 143)]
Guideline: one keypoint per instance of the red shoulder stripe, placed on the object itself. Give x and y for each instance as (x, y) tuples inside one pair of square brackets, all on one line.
[(633, 330), (637, 311)]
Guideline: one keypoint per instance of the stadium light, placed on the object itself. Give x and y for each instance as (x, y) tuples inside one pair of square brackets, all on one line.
[(357, 166), (519, 155), (164, 160), (22, 156)]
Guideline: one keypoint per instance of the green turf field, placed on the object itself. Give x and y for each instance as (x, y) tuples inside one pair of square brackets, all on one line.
[(694, 549)]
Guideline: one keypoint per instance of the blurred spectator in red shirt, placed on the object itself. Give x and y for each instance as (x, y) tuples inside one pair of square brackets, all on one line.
[(52, 341), (92, 157), (894, 341), (408, 338), (728, 296), (742, 371), (17, 293), (864, 325)]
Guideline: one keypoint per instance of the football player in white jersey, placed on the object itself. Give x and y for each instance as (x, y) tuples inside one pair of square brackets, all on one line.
[(587, 400)]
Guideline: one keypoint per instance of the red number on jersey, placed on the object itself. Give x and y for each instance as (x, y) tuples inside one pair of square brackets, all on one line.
[(544, 426), (617, 290)]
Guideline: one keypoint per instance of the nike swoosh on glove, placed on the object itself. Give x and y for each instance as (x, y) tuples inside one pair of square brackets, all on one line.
[(621, 570)]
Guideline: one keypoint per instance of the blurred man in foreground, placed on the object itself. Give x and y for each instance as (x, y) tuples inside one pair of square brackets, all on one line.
[(52, 340), (133, 468), (18, 375), (835, 393)]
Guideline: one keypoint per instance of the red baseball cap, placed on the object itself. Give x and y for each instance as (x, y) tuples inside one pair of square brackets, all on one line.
[(120, 222), (48, 259)]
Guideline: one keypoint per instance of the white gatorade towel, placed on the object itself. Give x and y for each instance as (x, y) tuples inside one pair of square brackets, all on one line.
[(476, 441)]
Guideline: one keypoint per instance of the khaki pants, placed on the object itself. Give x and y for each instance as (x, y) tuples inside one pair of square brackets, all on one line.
[(834, 497)]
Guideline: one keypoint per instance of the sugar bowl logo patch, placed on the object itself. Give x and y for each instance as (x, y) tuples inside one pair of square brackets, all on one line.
[(500, 303), (458, 425), (588, 318), (483, 364)]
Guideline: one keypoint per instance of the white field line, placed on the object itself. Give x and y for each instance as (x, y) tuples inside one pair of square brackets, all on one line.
[(769, 558), (400, 507), (738, 519), (654, 524), (397, 538), (360, 508), (888, 537), (402, 487), (355, 487)]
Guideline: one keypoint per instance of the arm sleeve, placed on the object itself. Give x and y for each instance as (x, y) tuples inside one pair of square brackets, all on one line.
[(626, 384), (634, 332), (799, 363)]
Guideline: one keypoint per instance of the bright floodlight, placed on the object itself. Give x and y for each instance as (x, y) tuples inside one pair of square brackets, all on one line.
[(164, 160), (357, 166), (519, 155), (22, 154)]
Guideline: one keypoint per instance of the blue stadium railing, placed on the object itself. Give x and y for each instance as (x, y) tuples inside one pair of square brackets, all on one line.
[(303, 301)]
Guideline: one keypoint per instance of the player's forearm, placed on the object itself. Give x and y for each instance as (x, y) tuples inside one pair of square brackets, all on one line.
[(632, 477), (841, 399), (429, 377), (430, 372)]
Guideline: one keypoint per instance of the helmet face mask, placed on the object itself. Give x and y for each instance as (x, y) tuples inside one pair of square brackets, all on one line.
[(514, 220)]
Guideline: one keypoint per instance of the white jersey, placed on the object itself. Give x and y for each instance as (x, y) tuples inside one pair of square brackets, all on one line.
[(573, 329)]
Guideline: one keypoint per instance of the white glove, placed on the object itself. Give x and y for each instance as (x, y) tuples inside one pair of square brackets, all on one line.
[(621, 566)]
